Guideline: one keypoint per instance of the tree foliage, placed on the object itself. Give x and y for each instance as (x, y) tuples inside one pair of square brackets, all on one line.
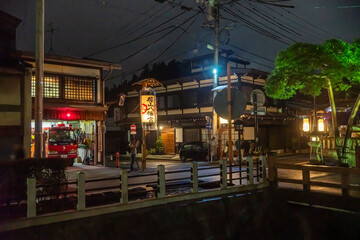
[(309, 68), (303, 67)]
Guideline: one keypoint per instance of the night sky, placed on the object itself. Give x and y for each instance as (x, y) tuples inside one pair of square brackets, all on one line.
[(254, 31)]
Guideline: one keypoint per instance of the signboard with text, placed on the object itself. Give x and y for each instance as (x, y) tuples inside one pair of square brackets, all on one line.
[(148, 111)]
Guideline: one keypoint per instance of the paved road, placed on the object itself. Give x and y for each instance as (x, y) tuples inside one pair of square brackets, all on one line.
[(139, 177)]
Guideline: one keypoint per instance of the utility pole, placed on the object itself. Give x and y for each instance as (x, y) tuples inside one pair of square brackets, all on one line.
[(230, 148), (215, 5), (39, 75)]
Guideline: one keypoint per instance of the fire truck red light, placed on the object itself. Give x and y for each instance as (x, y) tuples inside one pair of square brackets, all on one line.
[(68, 115)]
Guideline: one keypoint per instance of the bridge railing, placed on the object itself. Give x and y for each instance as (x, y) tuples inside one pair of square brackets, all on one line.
[(219, 175), (344, 174)]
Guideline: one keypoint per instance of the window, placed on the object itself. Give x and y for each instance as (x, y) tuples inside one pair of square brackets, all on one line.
[(79, 88), (51, 86), (67, 87), (174, 101), (161, 102), (205, 97), (189, 99)]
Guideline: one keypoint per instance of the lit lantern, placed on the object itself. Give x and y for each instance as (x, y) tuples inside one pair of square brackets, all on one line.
[(306, 125), (148, 108), (321, 125)]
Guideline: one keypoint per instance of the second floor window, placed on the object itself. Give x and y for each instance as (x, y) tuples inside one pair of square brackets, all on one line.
[(78, 88), (67, 87), (51, 86), (173, 101), (161, 102)]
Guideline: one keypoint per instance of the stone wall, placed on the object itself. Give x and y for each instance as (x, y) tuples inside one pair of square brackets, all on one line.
[(261, 215)]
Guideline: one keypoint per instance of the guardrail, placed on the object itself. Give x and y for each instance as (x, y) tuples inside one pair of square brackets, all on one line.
[(306, 181), (161, 178)]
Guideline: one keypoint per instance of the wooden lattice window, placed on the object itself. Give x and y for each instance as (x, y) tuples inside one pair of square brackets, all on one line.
[(79, 88), (51, 86)]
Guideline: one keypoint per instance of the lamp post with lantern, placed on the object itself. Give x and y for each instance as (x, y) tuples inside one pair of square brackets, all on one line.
[(148, 111), (318, 130)]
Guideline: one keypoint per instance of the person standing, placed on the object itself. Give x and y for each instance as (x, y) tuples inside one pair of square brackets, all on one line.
[(133, 145), (213, 149)]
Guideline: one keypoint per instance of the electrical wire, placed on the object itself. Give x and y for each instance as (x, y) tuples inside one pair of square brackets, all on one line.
[(121, 28), (136, 38), (251, 53), (311, 31), (274, 30), (158, 56), (152, 18), (266, 17), (252, 61), (254, 27), (303, 20), (158, 39)]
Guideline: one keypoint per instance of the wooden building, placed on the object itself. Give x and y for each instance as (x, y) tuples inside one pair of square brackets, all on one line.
[(183, 104)]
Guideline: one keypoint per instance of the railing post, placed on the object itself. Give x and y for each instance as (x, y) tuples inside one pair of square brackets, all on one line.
[(306, 180), (258, 170), (124, 196), (31, 197), (345, 181), (161, 181), (223, 174), (240, 167), (81, 205), (262, 160), (194, 177), (272, 171), (250, 170)]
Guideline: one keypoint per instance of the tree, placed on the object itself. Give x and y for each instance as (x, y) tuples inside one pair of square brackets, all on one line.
[(159, 145), (309, 68)]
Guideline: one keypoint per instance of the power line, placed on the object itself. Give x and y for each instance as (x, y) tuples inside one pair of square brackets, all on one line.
[(154, 59), (251, 53), (254, 27), (268, 17), (252, 61), (150, 20), (136, 38), (266, 26), (135, 20), (301, 19), (311, 31), (122, 27), (158, 39)]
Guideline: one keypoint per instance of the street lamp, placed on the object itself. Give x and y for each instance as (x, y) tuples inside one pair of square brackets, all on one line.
[(321, 125), (306, 124)]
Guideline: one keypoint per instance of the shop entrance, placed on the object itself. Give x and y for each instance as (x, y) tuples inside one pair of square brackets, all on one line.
[(168, 137), (68, 139)]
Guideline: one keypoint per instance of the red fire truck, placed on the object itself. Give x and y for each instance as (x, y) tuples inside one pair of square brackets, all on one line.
[(61, 142)]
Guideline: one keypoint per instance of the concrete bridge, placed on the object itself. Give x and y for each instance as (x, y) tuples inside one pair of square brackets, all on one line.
[(252, 211)]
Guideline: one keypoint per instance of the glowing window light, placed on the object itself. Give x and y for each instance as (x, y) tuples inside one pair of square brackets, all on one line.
[(306, 125), (321, 125), (223, 121)]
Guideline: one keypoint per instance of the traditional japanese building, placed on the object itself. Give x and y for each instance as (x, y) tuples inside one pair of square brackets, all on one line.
[(184, 103), (73, 94)]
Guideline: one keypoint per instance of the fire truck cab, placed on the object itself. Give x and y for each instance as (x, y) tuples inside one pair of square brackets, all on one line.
[(61, 142)]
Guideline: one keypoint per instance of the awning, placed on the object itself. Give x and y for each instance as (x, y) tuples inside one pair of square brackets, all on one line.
[(75, 107), (58, 111)]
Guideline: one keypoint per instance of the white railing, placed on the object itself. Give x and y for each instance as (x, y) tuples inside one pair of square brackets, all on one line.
[(194, 170)]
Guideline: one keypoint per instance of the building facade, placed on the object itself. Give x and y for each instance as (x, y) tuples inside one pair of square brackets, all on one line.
[(183, 105), (73, 94)]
